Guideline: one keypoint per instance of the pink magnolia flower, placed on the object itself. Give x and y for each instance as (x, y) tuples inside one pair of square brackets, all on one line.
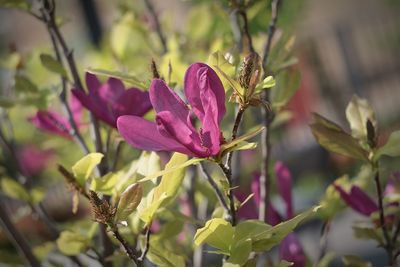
[(173, 129), (110, 100), (290, 249), (32, 160), (357, 199), (55, 123)]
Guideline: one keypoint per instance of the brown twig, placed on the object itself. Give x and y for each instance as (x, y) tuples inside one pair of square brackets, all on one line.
[(156, 21), (146, 244), (267, 120), (129, 251)]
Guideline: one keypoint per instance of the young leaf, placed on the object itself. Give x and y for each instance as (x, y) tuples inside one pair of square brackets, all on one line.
[(273, 236), (128, 202), (217, 233), (24, 85), (120, 75), (391, 148), (165, 192), (335, 139), (161, 256), (358, 112), (105, 184), (232, 83), (217, 59), (225, 148), (84, 167), (267, 83), (367, 233), (14, 190), (240, 252), (52, 64), (70, 243)]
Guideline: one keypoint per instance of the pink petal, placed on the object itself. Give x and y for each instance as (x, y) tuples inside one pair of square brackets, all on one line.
[(52, 122), (202, 85), (284, 183), (110, 91), (143, 134), (357, 200), (92, 83), (291, 250), (132, 102)]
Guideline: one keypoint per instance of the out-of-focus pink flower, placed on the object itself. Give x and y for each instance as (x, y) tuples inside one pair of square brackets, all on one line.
[(173, 129), (55, 123), (110, 100), (357, 199), (32, 160), (393, 184), (290, 249)]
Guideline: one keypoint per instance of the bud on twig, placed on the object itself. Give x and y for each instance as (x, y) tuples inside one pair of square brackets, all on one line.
[(129, 201), (250, 73), (103, 212)]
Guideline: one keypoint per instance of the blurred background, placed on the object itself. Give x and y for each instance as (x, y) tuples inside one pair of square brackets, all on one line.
[(343, 47)]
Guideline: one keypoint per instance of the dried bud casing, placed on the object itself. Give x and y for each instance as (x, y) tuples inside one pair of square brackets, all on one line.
[(250, 73), (103, 212)]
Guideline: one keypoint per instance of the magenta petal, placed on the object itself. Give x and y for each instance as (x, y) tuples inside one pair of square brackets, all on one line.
[(357, 200), (169, 126), (201, 82), (33, 160), (92, 104), (284, 183), (92, 83), (248, 210), (143, 134), (164, 99), (76, 109), (52, 122), (111, 91), (132, 102), (291, 250)]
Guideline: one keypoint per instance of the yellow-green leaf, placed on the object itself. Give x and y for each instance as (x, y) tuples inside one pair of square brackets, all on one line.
[(71, 243), (267, 83), (52, 64), (239, 143), (24, 85), (105, 184), (217, 233), (219, 60), (129, 78), (14, 189), (391, 148), (232, 82), (84, 167)]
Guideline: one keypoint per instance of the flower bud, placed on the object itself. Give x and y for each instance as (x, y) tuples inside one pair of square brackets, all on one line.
[(250, 73)]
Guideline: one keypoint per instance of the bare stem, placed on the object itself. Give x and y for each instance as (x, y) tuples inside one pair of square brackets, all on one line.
[(232, 210), (215, 187), (156, 21), (267, 120), (16, 237), (146, 245), (129, 251), (241, 33)]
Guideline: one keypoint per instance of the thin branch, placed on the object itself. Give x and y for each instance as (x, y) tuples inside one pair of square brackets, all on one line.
[(232, 210), (323, 242), (388, 245), (146, 245), (215, 187), (17, 238), (156, 21), (129, 251), (240, 33), (396, 233), (238, 119), (267, 120)]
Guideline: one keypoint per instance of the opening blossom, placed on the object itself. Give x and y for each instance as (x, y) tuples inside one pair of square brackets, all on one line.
[(55, 123), (32, 160), (110, 100), (173, 129)]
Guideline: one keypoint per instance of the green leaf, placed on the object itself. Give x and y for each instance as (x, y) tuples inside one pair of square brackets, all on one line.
[(267, 83), (286, 86), (240, 252), (52, 64), (70, 243), (19, 4), (335, 139), (6, 102), (273, 236), (249, 229), (105, 184), (168, 188), (172, 169), (37, 195), (366, 233), (14, 190), (85, 166), (43, 250), (391, 148), (355, 261), (358, 112), (217, 233), (24, 85), (232, 82), (128, 202), (162, 257), (326, 260), (217, 59), (238, 142), (133, 80)]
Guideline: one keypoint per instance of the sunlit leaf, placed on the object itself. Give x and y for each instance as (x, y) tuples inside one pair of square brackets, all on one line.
[(391, 148), (85, 166), (70, 243), (267, 83), (240, 252), (335, 139), (232, 82), (105, 184), (217, 59), (217, 233), (358, 112), (163, 257), (43, 250)]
